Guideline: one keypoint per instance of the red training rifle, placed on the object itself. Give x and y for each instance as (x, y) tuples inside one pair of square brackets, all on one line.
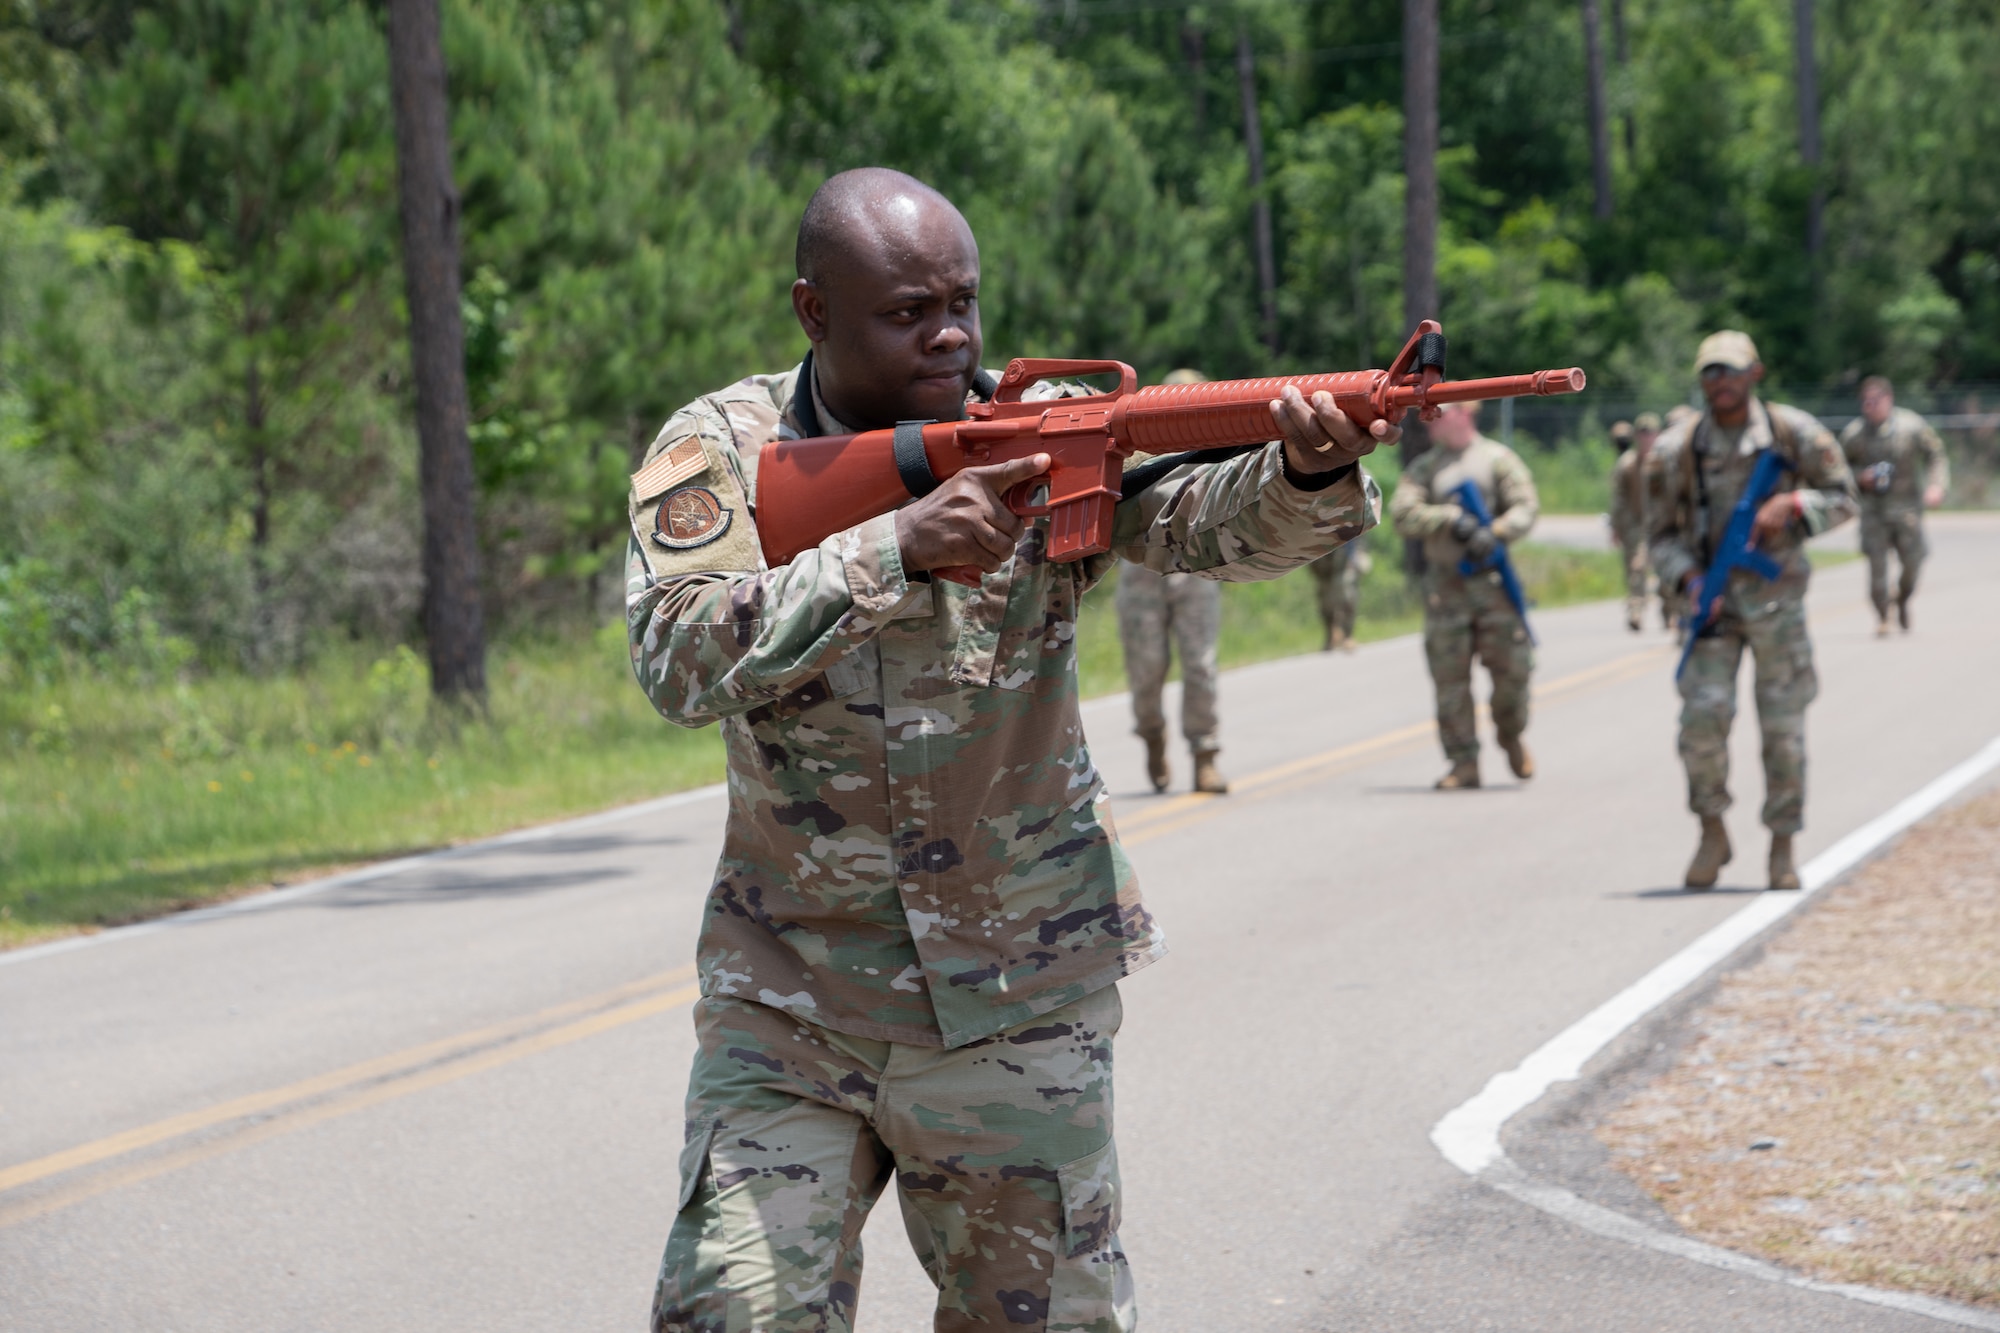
[(807, 490)]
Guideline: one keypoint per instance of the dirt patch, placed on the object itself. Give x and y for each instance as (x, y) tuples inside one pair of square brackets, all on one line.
[(1838, 1107)]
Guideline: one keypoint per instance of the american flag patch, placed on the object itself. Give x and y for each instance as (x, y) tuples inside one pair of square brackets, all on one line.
[(669, 468)]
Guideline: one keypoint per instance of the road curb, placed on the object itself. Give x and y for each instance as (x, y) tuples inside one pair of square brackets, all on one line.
[(1469, 1135)]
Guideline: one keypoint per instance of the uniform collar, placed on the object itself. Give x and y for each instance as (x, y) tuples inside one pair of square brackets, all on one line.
[(1756, 431)]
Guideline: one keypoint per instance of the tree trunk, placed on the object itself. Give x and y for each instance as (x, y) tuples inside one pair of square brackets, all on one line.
[(1809, 121), (1260, 203), (454, 623), (1600, 128), (1420, 205), (1194, 46), (1622, 44)]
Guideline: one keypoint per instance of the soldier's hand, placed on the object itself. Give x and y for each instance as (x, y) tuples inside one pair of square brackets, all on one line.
[(1774, 517), (1933, 496), (1319, 437), (965, 523), (1481, 543)]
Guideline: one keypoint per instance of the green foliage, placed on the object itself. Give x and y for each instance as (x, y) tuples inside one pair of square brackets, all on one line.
[(203, 384)]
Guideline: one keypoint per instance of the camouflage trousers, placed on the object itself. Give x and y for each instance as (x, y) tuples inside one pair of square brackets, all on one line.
[(1001, 1151), (1150, 608), (1785, 683), (1338, 574), (1638, 577), (1468, 619), (1900, 530)]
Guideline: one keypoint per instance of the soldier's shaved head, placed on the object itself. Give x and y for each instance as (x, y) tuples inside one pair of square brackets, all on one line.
[(888, 292), (864, 209)]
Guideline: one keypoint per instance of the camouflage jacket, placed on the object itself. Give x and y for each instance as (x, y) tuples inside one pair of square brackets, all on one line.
[(1686, 514), (1423, 505), (1894, 464), (918, 847), (1628, 499)]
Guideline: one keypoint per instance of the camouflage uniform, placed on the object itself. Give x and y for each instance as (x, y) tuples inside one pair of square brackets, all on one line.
[(1628, 527), (1465, 616), (1189, 607), (1893, 466), (1339, 578), (920, 905), (1767, 617)]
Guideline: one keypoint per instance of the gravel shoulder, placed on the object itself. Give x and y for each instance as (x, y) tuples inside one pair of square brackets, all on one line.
[(1835, 1105)]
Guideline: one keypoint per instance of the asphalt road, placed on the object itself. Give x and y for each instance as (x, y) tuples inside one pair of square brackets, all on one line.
[(449, 1096)]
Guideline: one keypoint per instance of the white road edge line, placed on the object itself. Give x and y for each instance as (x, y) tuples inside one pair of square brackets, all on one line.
[(380, 870), (1469, 1135)]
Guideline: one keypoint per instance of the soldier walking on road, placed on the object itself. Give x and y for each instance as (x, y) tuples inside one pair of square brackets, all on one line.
[(1157, 614), (1338, 578), (1900, 469), (1628, 517), (909, 955), (1694, 476), (1469, 616)]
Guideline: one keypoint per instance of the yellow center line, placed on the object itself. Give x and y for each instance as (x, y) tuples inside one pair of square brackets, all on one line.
[(348, 1089), (1179, 811)]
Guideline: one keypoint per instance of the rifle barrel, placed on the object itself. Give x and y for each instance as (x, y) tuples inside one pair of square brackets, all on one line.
[(1167, 418)]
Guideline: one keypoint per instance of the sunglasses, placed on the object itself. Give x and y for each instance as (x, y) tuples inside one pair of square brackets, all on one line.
[(1717, 372)]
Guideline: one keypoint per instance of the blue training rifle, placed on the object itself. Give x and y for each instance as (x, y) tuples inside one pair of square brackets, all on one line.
[(1735, 550), (1473, 503)]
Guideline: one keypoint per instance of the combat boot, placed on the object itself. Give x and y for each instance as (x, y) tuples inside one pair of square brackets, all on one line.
[(1882, 628), (1518, 758), (1463, 776), (1332, 640), (1711, 856), (1157, 771), (1784, 875), (1634, 614), (1207, 777)]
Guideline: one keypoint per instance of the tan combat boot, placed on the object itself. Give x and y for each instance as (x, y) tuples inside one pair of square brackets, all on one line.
[(1518, 758), (1711, 856), (1784, 875), (1157, 771), (1464, 775), (1882, 628), (1332, 639), (1207, 777)]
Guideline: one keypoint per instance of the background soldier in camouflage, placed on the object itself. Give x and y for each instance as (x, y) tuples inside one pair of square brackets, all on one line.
[(1339, 577), (1628, 518), (1156, 613), (1467, 617), (1900, 469), (1693, 477), (910, 950)]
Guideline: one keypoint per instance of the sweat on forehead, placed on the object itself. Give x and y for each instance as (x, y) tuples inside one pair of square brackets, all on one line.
[(862, 207)]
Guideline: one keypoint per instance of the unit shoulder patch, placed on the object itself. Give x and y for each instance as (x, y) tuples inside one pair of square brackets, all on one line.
[(690, 516)]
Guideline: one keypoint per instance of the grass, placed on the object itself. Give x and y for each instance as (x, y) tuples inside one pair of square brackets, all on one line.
[(123, 798), (120, 800)]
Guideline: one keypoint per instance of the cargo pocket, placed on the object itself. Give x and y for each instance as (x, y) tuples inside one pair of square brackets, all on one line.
[(1089, 1201), (694, 1161), (1090, 1290)]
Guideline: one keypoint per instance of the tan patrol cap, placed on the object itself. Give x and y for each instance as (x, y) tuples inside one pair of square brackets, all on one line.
[(1621, 430), (1730, 348), (1185, 376), (1647, 421)]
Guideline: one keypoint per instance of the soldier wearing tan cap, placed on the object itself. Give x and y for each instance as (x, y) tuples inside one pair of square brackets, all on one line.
[(1694, 474)]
